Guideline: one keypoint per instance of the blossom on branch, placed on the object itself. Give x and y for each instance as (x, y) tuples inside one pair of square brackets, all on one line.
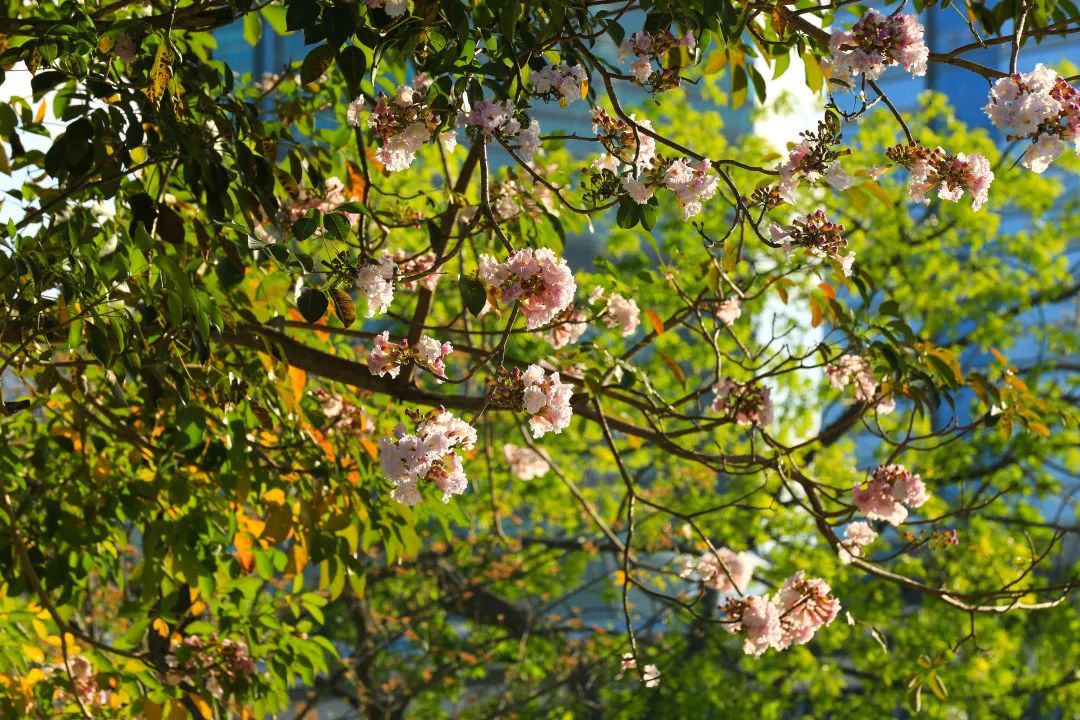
[(524, 462), (857, 535), (818, 235), (952, 175), (1039, 106), (877, 41), (387, 358), (429, 454), (403, 123), (724, 571), (791, 617), (539, 280), (890, 492), (561, 81), (746, 403)]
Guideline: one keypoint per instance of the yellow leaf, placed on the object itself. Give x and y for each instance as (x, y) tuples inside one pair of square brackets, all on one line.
[(39, 628), (275, 496), (160, 627), (160, 73), (33, 653), (297, 378), (620, 577), (1039, 428), (40, 114), (105, 44), (1001, 358), (197, 608)]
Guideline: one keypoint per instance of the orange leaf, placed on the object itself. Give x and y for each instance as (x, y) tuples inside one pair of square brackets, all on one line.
[(357, 184), (816, 315), (657, 323), (674, 367), (40, 114), (828, 290), (244, 555), (161, 627)]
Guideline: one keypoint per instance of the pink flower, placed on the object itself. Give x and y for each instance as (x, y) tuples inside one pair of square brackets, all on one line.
[(125, 49), (724, 571), (877, 41), (403, 124), (352, 113), (890, 489), (857, 535), (805, 605), (857, 368), (376, 282), (748, 404), (622, 313), (1038, 105), (539, 280), (385, 357), (547, 400), (758, 619), (561, 81), (567, 328), (729, 310), (692, 184), (429, 455), (525, 463), (638, 191)]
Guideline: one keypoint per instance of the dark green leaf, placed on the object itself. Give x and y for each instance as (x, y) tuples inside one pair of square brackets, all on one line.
[(312, 304)]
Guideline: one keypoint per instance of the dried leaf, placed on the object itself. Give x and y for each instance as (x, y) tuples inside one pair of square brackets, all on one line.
[(344, 306), (160, 73)]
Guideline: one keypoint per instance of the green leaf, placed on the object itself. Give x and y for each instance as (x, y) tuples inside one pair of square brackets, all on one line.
[(628, 214), (337, 225), (316, 63), (304, 227), (312, 304), (339, 23), (301, 14), (473, 294), (649, 214), (275, 17), (253, 28), (352, 63)]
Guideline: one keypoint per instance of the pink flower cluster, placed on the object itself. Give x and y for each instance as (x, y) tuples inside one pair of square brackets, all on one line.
[(857, 535), (952, 175), (393, 8), (877, 41), (404, 123), (1041, 106), (646, 48), (791, 617), (622, 313), (562, 81), (219, 666), (332, 196), (891, 491), (690, 181), (547, 400), (804, 163), (525, 463), (85, 680), (428, 454), (729, 310), (650, 674), (818, 235), (376, 282), (417, 264), (623, 142), (538, 279), (386, 358), (567, 327), (748, 404), (494, 119), (724, 571), (853, 368), (344, 417)]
